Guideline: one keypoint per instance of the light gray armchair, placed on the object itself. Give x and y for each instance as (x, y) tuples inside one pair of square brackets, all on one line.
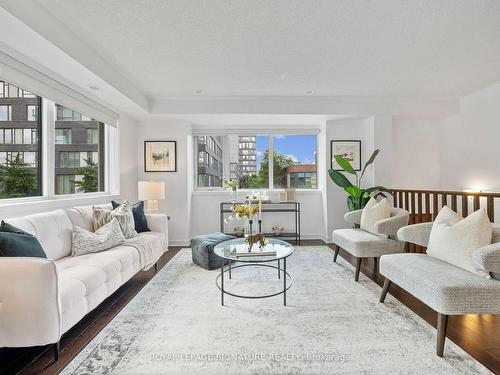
[(362, 244), (447, 289)]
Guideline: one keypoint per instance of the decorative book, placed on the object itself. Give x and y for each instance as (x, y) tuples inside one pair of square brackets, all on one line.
[(242, 251)]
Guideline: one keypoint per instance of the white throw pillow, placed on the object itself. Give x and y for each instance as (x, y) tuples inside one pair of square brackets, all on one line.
[(122, 213), (453, 239), (106, 237), (374, 212)]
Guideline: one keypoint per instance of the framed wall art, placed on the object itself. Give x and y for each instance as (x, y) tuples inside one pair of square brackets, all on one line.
[(349, 150), (160, 156)]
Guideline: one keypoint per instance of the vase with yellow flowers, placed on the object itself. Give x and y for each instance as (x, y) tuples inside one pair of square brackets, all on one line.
[(245, 211)]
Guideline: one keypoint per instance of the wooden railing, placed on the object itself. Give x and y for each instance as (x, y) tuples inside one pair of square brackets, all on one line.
[(424, 205)]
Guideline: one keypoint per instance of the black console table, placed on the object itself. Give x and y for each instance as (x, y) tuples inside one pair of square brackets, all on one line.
[(292, 208)]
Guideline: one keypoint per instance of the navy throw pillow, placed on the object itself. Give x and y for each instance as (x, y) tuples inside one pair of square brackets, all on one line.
[(15, 242), (141, 224)]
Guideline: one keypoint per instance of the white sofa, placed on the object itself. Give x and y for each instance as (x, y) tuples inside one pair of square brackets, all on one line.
[(41, 299)]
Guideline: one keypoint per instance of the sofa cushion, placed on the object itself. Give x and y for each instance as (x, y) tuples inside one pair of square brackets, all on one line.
[(87, 280), (122, 213), (140, 222), (104, 238), (15, 242), (444, 287), (52, 229), (374, 212), (362, 244), (453, 239), (81, 216)]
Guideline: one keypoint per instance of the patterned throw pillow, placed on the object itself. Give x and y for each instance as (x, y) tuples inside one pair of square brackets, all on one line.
[(122, 213), (106, 237), (141, 223)]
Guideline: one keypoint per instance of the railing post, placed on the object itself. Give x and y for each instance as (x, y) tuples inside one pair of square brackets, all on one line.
[(490, 208)]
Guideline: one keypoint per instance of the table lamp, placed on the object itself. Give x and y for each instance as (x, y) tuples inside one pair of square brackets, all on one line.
[(151, 192)]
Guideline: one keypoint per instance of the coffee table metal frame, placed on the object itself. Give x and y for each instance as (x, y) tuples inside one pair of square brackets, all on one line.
[(254, 261)]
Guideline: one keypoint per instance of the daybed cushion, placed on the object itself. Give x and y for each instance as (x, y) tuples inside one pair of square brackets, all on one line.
[(362, 244), (86, 280), (445, 288)]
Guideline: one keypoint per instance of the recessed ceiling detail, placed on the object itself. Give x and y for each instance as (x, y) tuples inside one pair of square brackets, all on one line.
[(285, 47)]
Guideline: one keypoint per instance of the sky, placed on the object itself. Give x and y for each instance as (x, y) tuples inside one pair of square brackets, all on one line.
[(301, 148)]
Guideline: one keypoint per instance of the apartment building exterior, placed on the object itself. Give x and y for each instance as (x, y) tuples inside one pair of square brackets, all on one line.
[(210, 163), (301, 176), (247, 155), (77, 138)]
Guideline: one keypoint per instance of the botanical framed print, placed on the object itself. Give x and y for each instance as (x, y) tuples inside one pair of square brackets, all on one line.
[(160, 156), (349, 150)]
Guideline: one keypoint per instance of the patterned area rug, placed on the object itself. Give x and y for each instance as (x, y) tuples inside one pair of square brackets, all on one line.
[(176, 325)]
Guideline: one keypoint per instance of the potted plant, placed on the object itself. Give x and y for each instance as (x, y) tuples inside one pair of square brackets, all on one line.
[(357, 197)]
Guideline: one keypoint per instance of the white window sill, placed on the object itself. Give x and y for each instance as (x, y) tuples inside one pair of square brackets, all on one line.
[(242, 192), (26, 206)]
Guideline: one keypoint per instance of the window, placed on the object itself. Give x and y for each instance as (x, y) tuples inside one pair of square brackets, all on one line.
[(8, 136), (77, 142), (92, 136), (65, 184), (63, 136), (20, 172), (295, 161), (209, 161), (67, 114), (79, 149), (31, 112), (246, 158), (5, 113)]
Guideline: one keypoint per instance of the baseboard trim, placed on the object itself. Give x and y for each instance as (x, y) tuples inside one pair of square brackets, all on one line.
[(185, 243)]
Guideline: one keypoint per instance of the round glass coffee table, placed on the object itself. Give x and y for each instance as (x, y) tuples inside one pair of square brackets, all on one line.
[(237, 251)]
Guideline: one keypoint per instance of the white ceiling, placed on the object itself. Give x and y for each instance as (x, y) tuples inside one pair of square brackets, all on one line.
[(285, 47)]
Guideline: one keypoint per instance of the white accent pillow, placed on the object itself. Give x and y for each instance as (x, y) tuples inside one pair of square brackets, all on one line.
[(106, 237), (453, 239), (374, 212)]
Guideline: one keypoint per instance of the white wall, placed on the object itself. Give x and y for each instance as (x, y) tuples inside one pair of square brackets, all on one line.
[(128, 161), (205, 214), (361, 129), (469, 143), (177, 198), (198, 213), (416, 152)]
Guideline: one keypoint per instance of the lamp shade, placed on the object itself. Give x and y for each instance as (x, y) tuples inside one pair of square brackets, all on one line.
[(151, 190)]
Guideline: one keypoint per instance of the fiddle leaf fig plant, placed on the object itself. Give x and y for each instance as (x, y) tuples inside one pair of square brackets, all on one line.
[(357, 197)]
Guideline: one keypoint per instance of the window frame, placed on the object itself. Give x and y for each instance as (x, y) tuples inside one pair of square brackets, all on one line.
[(226, 164), (108, 160)]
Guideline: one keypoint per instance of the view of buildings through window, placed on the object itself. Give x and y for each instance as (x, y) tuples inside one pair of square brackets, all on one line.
[(79, 144), (20, 149), (246, 158), (79, 140)]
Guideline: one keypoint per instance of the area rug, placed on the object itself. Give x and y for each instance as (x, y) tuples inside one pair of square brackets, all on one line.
[(331, 325)]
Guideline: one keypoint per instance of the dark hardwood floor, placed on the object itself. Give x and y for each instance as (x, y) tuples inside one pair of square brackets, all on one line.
[(40, 360), (479, 335)]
